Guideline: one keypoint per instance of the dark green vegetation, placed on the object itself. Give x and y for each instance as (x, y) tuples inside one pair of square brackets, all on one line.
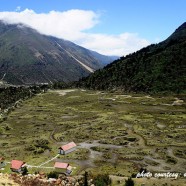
[(102, 180), (129, 182), (27, 57), (116, 134), (86, 179), (10, 95), (156, 68), (53, 175)]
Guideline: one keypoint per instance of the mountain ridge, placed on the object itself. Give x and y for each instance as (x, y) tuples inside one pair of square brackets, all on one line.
[(155, 68), (28, 57)]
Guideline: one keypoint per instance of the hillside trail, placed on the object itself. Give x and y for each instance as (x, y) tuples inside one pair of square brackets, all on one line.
[(49, 160), (41, 165), (81, 63)]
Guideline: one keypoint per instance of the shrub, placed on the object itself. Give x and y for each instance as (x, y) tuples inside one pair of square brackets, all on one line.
[(24, 171), (129, 182), (53, 175), (102, 180)]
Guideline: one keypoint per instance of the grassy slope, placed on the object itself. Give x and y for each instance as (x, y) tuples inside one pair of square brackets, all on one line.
[(144, 131)]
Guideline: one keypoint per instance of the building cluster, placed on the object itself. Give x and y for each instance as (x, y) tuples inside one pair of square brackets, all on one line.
[(61, 167)]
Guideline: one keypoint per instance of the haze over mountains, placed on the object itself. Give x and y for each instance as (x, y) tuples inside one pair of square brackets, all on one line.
[(156, 68), (28, 57)]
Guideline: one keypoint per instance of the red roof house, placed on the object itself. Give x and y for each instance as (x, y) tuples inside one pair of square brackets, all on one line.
[(17, 165), (65, 149), (62, 167)]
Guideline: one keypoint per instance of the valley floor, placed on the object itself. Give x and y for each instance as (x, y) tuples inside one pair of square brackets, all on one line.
[(116, 134)]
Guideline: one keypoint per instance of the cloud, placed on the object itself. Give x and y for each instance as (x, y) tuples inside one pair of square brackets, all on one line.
[(18, 8), (72, 25), (122, 44), (69, 24)]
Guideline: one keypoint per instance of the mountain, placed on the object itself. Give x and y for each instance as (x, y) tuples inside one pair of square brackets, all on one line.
[(104, 59), (28, 57), (156, 68)]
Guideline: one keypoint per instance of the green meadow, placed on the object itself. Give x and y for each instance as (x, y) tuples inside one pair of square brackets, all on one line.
[(116, 133)]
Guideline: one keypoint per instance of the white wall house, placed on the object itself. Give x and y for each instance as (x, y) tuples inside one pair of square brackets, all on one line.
[(65, 149), (62, 168)]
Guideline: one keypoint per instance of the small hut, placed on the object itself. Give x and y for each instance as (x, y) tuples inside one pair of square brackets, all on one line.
[(17, 166), (65, 149), (62, 167)]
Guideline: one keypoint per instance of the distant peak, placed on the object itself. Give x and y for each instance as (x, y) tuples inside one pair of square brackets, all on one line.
[(180, 33), (182, 27)]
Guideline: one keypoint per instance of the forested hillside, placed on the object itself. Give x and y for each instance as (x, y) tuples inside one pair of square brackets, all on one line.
[(156, 68), (11, 96)]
